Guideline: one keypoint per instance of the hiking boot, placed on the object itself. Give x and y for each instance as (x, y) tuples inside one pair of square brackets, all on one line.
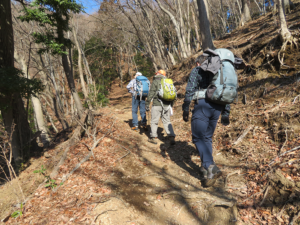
[(144, 126), (135, 128), (153, 140), (172, 140), (213, 172), (203, 173)]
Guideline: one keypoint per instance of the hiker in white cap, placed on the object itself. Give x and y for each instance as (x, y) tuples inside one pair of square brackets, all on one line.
[(139, 88)]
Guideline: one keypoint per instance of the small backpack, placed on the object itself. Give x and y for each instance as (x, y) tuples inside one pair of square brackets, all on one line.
[(142, 86), (223, 87), (167, 91)]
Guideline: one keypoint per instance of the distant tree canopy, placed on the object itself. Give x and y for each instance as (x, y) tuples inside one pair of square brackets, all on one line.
[(144, 65)]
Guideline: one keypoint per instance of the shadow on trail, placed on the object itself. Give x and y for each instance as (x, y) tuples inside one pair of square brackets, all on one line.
[(182, 154), (135, 187), (147, 131)]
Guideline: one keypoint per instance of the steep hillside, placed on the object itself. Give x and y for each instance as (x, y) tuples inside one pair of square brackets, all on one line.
[(264, 132)]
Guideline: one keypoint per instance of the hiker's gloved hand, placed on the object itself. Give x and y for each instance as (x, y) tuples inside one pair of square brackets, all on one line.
[(225, 120), (185, 116), (186, 106), (147, 108)]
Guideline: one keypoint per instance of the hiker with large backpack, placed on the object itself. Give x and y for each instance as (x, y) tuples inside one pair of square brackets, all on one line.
[(163, 93), (139, 88), (212, 84)]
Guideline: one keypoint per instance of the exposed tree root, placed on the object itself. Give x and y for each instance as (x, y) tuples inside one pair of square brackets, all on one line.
[(288, 40)]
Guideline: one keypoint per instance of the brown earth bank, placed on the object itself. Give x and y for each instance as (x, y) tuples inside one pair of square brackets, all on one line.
[(127, 180)]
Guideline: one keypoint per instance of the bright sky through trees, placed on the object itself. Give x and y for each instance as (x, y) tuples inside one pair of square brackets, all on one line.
[(91, 6)]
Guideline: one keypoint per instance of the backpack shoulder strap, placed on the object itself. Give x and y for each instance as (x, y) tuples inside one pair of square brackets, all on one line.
[(227, 60)]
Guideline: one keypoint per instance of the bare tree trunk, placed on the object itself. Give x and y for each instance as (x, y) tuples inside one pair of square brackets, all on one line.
[(72, 106), (287, 5), (285, 34), (257, 5), (72, 85), (188, 27), (245, 16), (148, 24), (239, 6), (207, 11), (51, 72), (196, 27), (36, 105), (64, 97), (49, 118), (69, 74), (120, 67), (204, 26), (89, 76), (86, 95), (177, 29)]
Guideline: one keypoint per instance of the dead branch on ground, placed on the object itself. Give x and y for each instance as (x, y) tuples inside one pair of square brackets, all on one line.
[(273, 160), (243, 135), (125, 154), (95, 144), (72, 141)]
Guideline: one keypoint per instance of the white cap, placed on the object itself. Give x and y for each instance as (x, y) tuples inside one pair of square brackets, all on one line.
[(138, 74)]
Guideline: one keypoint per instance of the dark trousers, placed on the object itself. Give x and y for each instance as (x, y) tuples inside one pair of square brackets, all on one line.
[(136, 104), (204, 122)]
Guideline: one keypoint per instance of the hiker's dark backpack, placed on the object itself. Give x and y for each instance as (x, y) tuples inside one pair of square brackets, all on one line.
[(142, 86), (223, 87)]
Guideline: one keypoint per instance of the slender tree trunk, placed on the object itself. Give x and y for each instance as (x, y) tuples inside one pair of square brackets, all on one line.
[(86, 95), (245, 16), (285, 34), (188, 28), (49, 118), (287, 5), (120, 68), (177, 29), (72, 85), (38, 111), (89, 76), (69, 74), (239, 6), (52, 75), (257, 5), (36, 105), (204, 26), (196, 28)]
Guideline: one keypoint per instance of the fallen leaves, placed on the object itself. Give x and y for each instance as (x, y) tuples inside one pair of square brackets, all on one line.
[(70, 202)]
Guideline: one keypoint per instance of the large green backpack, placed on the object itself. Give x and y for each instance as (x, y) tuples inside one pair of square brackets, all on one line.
[(167, 91)]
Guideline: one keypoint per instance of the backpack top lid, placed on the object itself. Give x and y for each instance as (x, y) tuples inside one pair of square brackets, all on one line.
[(225, 54), (141, 78)]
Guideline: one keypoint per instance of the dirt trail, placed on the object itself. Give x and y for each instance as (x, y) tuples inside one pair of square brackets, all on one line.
[(159, 184), (128, 180)]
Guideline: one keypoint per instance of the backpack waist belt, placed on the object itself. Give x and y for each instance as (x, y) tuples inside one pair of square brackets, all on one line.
[(200, 94)]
